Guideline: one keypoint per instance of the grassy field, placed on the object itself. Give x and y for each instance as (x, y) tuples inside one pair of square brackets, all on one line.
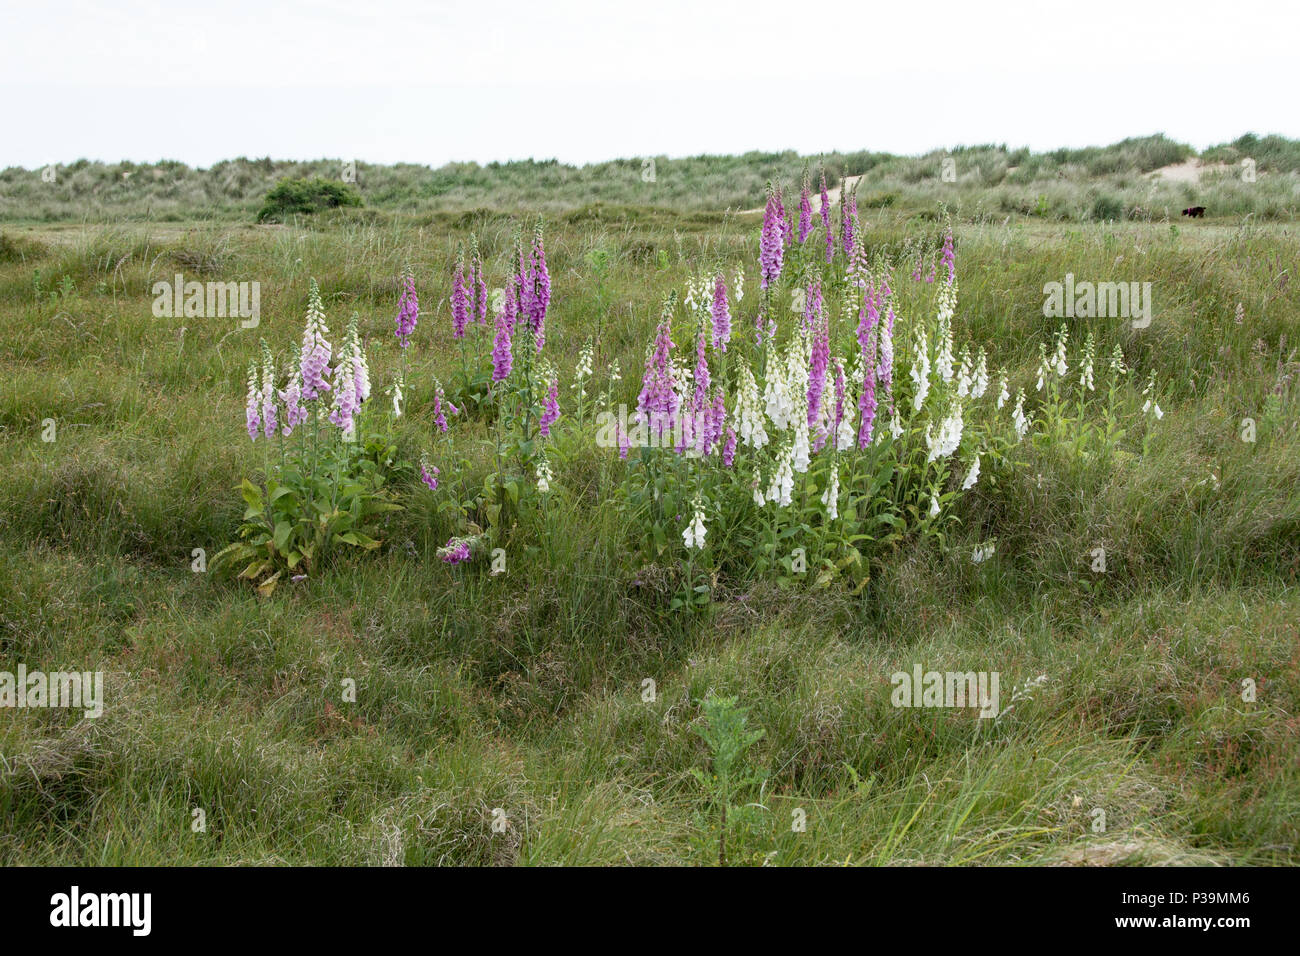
[(525, 692)]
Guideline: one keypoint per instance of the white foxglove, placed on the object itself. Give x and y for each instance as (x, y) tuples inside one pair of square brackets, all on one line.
[(831, 496), (695, 531), (1018, 416), (981, 382), (921, 370)]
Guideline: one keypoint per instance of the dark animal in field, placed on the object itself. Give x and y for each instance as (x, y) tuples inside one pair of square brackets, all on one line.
[(1196, 212)]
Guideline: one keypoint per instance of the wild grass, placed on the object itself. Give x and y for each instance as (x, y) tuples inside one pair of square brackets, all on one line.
[(989, 182), (526, 692)]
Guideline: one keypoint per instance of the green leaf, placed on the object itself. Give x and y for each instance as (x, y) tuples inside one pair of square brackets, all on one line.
[(358, 539), (281, 537), (252, 494)]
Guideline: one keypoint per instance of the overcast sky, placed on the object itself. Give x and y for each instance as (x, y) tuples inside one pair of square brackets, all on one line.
[(585, 81)]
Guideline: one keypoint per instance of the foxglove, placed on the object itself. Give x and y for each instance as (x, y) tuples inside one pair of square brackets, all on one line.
[(848, 218), (251, 415), (552, 410), (478, 285), (805, 210), (540, 281), (695, 531), (826, 220), (316, 350), (658, 403), (440, 408), (721, 313), (408, 309), (831, 496), (459, 300), (502, 356), (428, 474), (771, 251)]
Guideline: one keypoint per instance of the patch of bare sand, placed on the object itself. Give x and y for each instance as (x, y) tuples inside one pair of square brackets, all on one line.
[(1188, 171)]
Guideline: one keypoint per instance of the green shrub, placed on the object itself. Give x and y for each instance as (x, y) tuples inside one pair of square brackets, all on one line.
[(1106, 207), (305, 196)]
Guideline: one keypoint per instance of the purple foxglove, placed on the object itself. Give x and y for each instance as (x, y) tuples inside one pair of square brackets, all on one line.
[(316, 351), (408, 309), (812, 305), (869, 316), (721, 313), (429, 474), (658, 403), (502, 357), (867, 406), (539, 279), (818, 361), (455, 551), (439, 411), (771, 247), (717, 420), (459, 300), (552, 410), (787, 222)]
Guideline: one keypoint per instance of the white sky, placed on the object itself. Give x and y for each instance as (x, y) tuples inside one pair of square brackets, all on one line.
[(584, 81)]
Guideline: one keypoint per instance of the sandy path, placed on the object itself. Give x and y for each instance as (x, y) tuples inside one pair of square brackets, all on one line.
[(832, 193)]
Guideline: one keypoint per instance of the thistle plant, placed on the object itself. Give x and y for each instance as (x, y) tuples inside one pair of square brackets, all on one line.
[(726, 732)]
